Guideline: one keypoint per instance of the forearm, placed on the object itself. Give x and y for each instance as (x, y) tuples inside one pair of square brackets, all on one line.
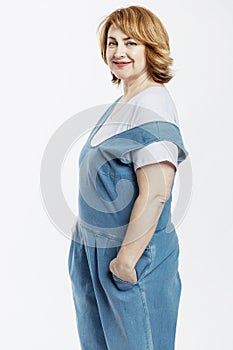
[(143, 221)]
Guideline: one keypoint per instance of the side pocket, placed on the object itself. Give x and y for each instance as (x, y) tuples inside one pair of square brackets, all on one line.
[(121, 284), (142, 267)]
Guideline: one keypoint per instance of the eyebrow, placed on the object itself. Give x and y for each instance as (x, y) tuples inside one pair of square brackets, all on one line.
[(111, 37)]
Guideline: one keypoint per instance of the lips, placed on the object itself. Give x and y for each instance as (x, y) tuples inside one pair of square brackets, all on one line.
[(121, 64)]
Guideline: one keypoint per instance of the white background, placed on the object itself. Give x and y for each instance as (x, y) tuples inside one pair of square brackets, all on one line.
[(51, 69)]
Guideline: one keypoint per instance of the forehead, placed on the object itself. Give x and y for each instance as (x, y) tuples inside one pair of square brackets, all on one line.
[(116, 32)]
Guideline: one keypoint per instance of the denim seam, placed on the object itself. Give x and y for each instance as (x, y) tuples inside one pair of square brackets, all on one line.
[(108, 236), (116, 177), (149, 249), (147, 328)]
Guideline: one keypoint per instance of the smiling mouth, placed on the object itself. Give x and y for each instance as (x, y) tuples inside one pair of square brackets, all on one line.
[(120, 64)]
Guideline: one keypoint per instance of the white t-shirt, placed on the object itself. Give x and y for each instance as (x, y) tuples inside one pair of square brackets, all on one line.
[(153, 103)]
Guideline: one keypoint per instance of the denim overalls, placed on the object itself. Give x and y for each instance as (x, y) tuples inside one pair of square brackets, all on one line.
[(113, 314)]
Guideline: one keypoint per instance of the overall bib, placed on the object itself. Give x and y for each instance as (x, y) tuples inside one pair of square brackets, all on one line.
[(113, 314)]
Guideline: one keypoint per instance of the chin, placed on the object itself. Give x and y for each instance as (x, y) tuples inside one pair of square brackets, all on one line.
[(121, 76)]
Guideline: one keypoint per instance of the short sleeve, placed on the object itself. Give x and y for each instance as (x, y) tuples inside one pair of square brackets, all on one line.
[(155, 152)]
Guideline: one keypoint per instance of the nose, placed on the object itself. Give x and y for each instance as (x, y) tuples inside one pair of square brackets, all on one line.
[(119, 51)]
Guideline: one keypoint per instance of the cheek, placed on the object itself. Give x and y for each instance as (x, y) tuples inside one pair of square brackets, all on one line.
[(108, 56), (138, 54), (141, 58)]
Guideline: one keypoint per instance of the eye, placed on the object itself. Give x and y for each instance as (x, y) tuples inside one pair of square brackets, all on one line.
[(111, 42), (131, 43)]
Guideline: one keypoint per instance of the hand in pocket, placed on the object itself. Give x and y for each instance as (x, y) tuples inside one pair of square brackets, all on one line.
[(125, 274)]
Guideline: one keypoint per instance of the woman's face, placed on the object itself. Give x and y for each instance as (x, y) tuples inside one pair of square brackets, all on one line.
[(130, 52)]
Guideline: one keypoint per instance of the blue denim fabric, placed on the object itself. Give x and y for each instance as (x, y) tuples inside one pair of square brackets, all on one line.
[(113, 314)]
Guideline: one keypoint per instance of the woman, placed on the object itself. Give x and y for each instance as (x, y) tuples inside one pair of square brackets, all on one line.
[(123, 259)]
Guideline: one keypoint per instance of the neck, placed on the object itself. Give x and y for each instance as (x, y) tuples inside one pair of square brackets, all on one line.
[(134, 87)]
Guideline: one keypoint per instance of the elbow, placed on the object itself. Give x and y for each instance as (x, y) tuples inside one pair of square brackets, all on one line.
[(160, 197)]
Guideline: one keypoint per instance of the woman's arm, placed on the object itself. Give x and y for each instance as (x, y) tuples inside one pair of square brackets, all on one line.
[(154, 182)]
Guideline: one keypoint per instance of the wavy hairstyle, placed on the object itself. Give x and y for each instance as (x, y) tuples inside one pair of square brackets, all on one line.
[(141, 24)]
